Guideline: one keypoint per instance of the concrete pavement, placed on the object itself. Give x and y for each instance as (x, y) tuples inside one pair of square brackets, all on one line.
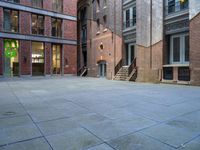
[(71, 113)]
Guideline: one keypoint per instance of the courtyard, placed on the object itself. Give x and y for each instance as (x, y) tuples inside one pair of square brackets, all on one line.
[(72, 113)]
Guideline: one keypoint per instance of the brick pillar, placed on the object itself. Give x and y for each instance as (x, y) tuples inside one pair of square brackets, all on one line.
[(70, 7), (1, 56), (47, 24), (175, 74), (25, 2), (1, 19), (25, 22), (70, 29), (70, 59), (195, 50), (25, 57), (47, 58), (47, 4)]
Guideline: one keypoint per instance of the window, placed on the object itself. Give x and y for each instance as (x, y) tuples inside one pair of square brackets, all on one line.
[(129, 17), (57, 5), (177, 5), (84, 34), (11, 20), (37, 3), (13, 1), (179, 53), (105, 3), (56, 27), (97, 6), (105, 21), (37, 24), (37, 58), (98, 25)]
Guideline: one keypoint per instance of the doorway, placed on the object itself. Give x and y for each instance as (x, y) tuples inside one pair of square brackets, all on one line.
[(56, 59), (37, 58), (102, 69), (130, 54), (11, 59)]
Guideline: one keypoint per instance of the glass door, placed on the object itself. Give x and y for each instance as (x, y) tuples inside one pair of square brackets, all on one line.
[(56, 59), (37, 58), (11, 61), (102, 69), (130, 54)]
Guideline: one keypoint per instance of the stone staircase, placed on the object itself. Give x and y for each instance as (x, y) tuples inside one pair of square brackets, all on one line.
[(122, 74)]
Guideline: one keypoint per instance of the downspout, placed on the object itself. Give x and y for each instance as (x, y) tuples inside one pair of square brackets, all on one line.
[(151, 24)]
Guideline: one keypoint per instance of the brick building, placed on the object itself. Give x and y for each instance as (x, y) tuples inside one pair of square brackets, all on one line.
[(38, 37), (160, 40), (100, 37)]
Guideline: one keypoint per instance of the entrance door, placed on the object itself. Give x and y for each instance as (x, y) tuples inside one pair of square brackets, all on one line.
[(102, 69), (56, 66), (37, 58), (130, 54), (11, 59)]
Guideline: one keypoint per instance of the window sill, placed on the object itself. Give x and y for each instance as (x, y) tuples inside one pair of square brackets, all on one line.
[(105, 30), (98, 33), (177, 65)]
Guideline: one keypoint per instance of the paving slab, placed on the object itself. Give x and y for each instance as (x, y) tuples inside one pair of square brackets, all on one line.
[(138, 141), (101, 147), (17, 129), (178, 131), (76, 139), (193, 145), (35, 144)]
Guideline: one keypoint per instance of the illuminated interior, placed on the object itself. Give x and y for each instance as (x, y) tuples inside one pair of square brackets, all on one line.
[(37, 58), (12, 63), (56, 59)]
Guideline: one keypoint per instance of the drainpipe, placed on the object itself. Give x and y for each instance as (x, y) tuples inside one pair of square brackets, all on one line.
[(114, 33), (151, 25)]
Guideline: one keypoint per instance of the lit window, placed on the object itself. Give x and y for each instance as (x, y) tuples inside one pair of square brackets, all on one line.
[(11, 21), (13, 1), (37, 3), (37, 24), (56, 27), (57, 5)]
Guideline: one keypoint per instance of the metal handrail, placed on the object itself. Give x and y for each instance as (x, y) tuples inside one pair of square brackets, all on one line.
[(118, 66), (132, 66)]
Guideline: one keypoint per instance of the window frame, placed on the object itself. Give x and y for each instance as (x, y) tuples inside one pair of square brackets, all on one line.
[(37, 24), (11, 22), (182, 49), (56, 27)]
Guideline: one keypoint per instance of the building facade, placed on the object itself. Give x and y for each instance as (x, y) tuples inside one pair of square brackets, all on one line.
[(147, 41), (38, 37), (99, 37)]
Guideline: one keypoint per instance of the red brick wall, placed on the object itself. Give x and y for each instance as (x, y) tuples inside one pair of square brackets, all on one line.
[(25, 22), (1, 57), (25, 2), (195, 50), (70, 7), (48, 58), (70, 29), (47, 4), (1, 19), (70, 54), (25, 48), (47, 26)]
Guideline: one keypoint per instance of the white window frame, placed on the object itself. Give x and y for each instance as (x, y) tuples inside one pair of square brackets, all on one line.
[(182, 49)]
